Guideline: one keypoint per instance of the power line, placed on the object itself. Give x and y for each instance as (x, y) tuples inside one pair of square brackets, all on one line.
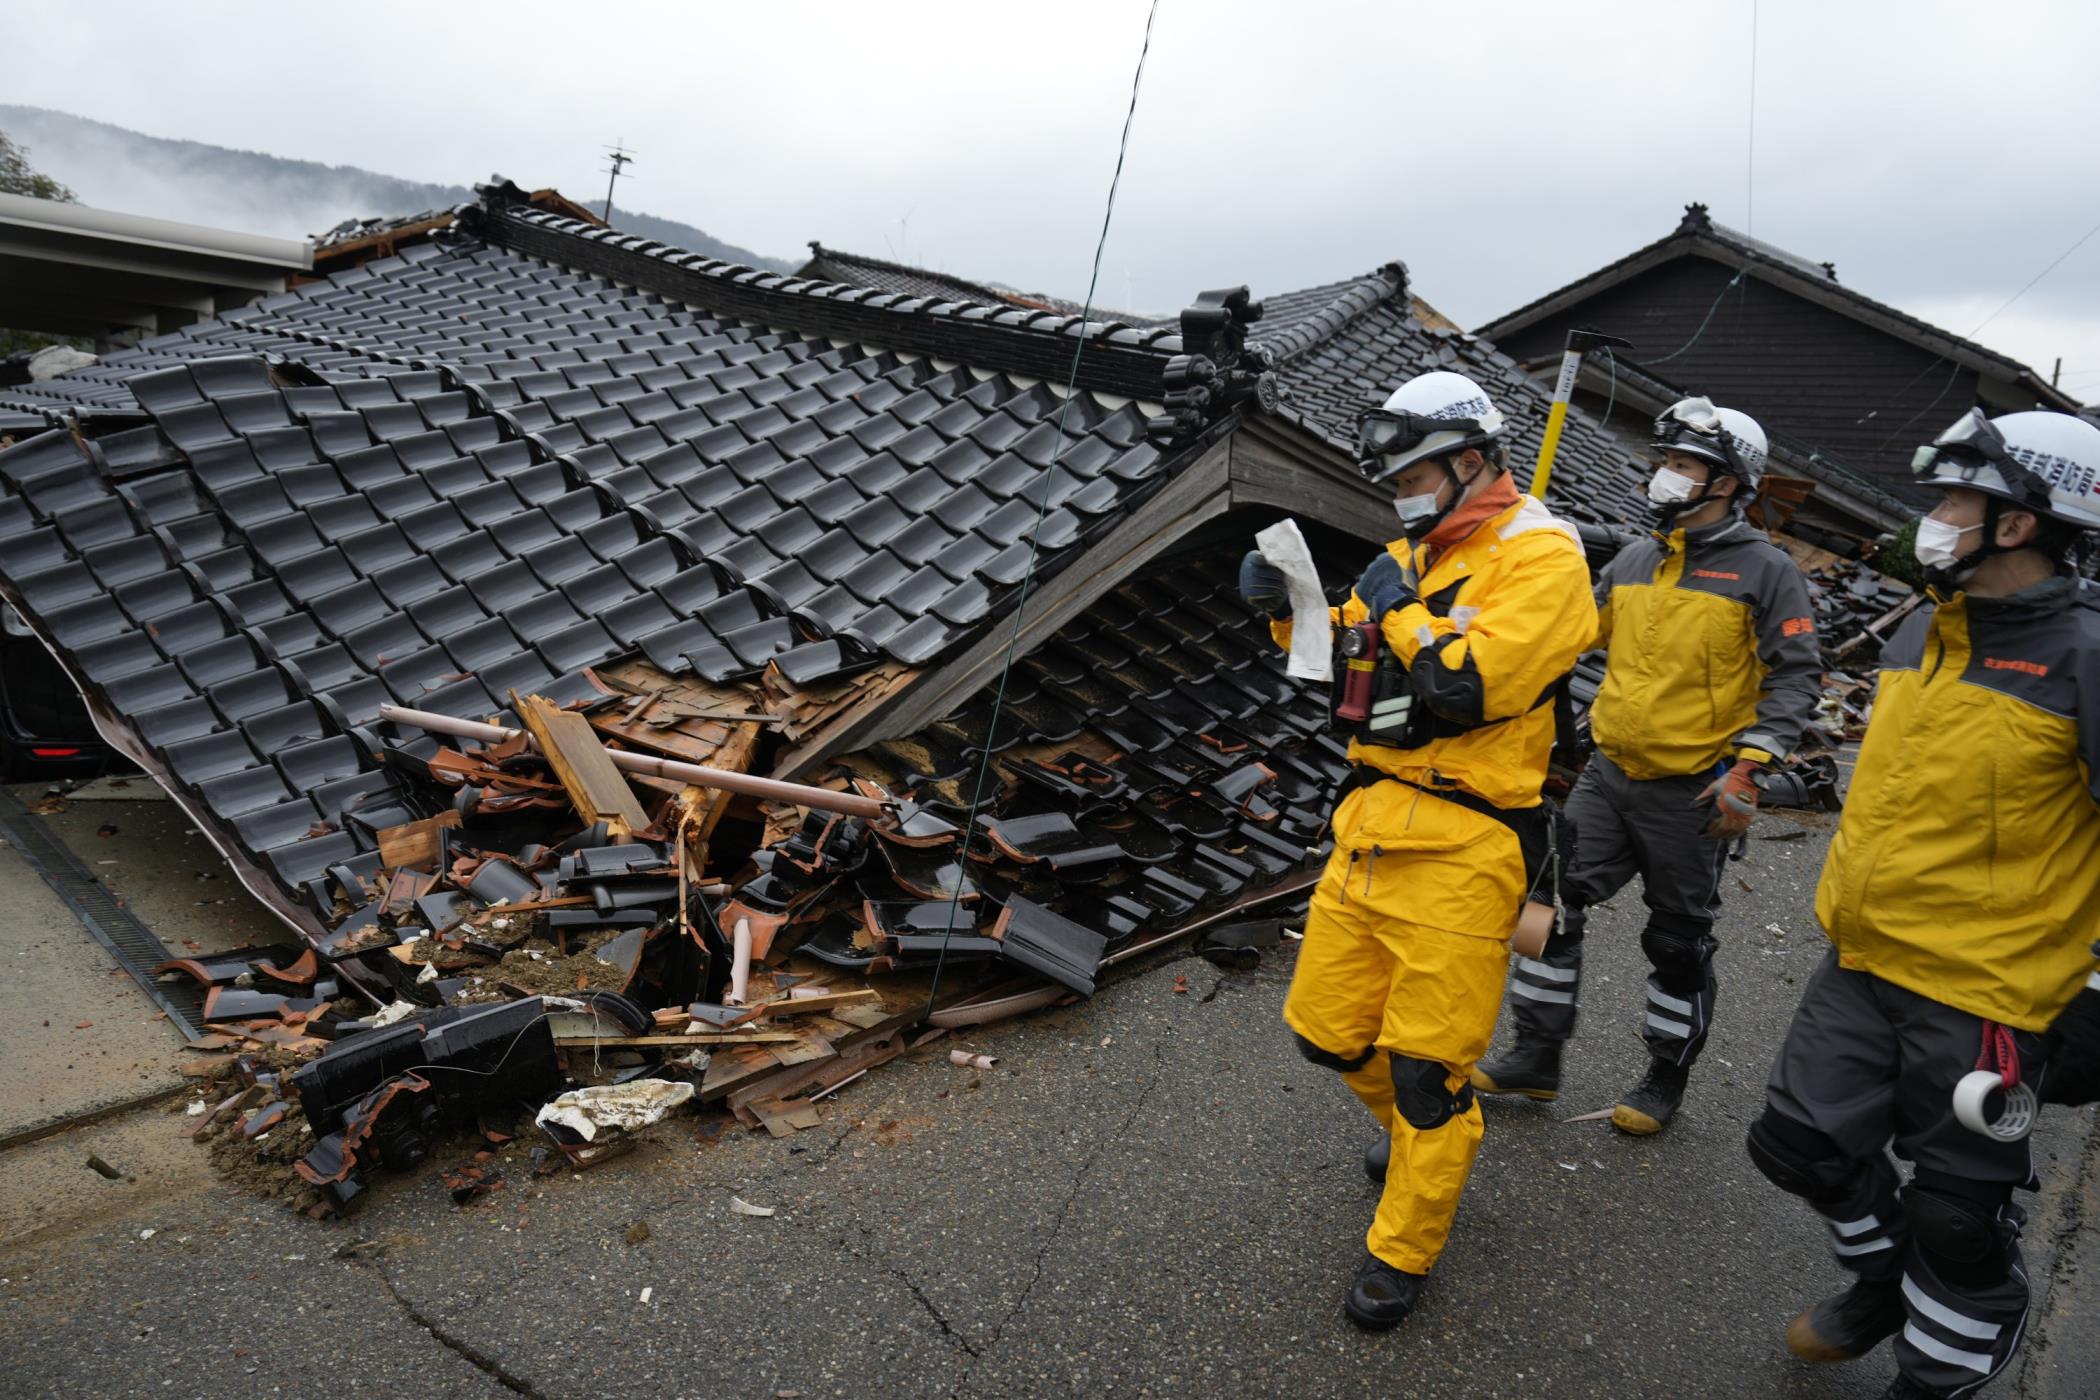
[(1086, 316), (1665, 359), (1938, 359), (2036, 278), (1750, 156), (1952, 375)]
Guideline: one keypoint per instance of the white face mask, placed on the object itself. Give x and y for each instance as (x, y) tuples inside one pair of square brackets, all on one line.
[(1936, 541), (1668, 488), (1413, 510)]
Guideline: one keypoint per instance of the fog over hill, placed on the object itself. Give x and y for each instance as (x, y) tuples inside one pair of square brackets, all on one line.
[(111, 167)]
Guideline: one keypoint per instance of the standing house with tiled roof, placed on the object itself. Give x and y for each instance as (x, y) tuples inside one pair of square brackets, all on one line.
[(1846, 385), (531, 454)]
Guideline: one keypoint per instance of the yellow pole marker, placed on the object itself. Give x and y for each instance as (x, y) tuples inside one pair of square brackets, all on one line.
[(1563, 390)]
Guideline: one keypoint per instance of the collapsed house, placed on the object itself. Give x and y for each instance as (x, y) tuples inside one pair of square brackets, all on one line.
[(425, 590)]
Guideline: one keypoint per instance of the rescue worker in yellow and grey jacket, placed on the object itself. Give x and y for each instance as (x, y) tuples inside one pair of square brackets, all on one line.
[(1463, 631), (1712, 672), (1961, 896)]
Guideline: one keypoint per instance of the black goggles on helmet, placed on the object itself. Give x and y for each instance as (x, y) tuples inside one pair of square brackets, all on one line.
[(1971, 447), (1382, 432)]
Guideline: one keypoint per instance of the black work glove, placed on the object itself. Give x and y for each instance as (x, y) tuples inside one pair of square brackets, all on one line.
[(1384, 587), (2073, 1047), (1263, 585)]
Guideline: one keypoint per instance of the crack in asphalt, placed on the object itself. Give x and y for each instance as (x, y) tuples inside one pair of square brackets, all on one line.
[(465, 1351), (932, 1310), (940, 1319), (836, 1143), (1064, 1209)]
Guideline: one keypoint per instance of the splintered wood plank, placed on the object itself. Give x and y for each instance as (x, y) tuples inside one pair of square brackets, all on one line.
[(414, 845), (787, 1081), (667, 1041), (734, 1065), (829, 1001), (803, 1048), (785, 1119), (596, 788)]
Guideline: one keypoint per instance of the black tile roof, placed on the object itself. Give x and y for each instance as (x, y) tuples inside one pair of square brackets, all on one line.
[(1341, 348), (853, 270), (468, 470), (835, 493), (1158, 767), (1788, 453)]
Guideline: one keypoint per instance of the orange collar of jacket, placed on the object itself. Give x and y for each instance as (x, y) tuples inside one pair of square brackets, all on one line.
[(1489, 502)]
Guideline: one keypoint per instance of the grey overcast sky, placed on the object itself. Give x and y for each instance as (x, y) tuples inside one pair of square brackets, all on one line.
[(1940, 153)]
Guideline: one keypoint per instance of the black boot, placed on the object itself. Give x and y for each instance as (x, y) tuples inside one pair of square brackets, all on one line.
[(1531, 1067), (1650, 1105), (1846, 1326), (1904, 1388), (1382, 1296), (1376, 1156)]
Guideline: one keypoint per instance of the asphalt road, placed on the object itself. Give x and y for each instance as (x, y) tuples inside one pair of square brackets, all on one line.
[(1150, 1195)]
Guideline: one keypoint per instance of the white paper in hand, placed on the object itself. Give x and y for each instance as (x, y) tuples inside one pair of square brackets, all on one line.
[(1312, 640)]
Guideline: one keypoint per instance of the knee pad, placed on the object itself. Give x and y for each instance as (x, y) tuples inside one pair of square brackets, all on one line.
[(1799, 1160), (1420, 1095), (1960, 1224), (1681, 951), (1327, 1059)]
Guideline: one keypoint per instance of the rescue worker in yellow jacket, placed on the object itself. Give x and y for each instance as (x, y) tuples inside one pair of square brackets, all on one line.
[(1961, 896), (1453, 644), (1712, 672)]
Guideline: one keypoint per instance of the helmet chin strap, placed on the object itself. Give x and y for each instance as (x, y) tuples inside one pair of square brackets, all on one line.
[(1949, 580), (1419, 529), (1666, 516)]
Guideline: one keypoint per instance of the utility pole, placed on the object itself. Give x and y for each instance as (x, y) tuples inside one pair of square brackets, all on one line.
[(2057, 373), (617, 159)]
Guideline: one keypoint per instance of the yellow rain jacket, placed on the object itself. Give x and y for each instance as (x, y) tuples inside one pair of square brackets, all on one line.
[(1966, 867), (1505, 612), (1712, 652)]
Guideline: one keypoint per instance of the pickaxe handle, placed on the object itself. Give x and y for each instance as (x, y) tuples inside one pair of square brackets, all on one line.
[(1579, 342)]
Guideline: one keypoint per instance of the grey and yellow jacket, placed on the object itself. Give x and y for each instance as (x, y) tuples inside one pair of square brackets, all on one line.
[(1966, 866), (1712, 652)]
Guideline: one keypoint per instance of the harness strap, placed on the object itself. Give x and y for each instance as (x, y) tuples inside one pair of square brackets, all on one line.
[(1532, 826)]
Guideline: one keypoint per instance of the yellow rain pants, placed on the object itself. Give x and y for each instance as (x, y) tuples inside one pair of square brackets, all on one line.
[(1406, 949)]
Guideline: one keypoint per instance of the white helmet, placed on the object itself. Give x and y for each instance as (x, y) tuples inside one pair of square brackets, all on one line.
[(2038, 460), (1726, 437), (1432, 415)]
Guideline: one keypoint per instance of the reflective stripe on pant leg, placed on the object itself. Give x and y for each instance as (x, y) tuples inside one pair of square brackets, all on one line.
[(1865, 1222), (1681, 989), (1544, 992), (1681, 871), (1955, 1338)]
